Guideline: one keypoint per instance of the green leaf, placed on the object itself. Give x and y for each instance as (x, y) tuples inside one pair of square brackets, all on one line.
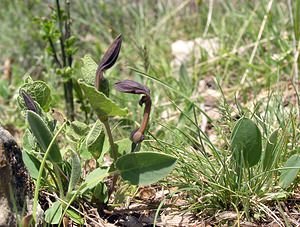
[(28, 143), (32, 164), (95, 139), (123, 146), (39, 91), (269, 154), (83, 152), (43, 136), (144, 168), (53, 214), (77, 130), (100, 193), (95, 177), (288, 175), (246, 142), (76, 171), (103, 106), (75, 217), (89, 69)]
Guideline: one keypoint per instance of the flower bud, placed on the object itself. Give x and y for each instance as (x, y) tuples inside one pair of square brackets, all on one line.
[(29, 102), (109, 59)]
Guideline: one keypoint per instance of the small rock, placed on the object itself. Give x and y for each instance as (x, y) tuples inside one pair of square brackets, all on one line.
[(226, 215), (185, 50)]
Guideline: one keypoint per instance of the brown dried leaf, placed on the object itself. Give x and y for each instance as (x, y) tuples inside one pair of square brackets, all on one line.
[(147, 193)]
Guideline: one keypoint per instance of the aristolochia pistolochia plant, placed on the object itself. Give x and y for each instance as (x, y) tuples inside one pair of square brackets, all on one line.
[(87, 141), (134, 167)]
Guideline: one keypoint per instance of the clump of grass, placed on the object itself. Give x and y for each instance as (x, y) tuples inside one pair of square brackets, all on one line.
[(208, 171)]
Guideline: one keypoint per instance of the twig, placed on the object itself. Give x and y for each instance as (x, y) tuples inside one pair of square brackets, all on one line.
[(61, 38), (68, 85), (54, 52), (68, 28)]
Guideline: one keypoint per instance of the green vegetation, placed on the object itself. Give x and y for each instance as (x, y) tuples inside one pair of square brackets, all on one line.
[(219, 129)]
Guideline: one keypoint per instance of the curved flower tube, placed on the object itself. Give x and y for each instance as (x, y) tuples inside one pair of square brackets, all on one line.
[(133, 87)]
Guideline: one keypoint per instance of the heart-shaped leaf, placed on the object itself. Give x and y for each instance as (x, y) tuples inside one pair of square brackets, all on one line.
[(89, 69), (103, 106), (246, 142), (288, 175), (144, 168), (43, 136)]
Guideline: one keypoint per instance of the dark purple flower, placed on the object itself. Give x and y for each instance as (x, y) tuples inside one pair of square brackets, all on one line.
[(132, 87), (111, 55), (109, 59), (29, 102)]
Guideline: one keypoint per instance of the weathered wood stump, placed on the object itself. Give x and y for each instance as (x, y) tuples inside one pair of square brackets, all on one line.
[(15, 186)]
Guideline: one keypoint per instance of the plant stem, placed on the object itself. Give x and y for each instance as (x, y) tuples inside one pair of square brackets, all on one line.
[(110, 139), (114, 156)]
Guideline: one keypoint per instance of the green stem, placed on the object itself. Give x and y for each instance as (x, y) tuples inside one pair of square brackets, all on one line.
[(114, 154), (110, 139)]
